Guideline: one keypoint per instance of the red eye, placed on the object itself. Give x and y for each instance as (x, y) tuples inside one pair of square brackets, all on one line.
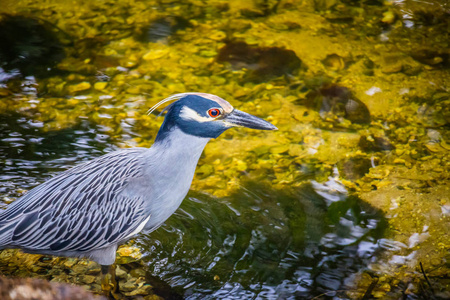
[(214, 112)]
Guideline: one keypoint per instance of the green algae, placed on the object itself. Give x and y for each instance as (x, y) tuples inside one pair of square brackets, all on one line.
[(397, 160)]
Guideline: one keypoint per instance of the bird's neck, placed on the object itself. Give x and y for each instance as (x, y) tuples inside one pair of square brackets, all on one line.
[(171, 167), (177, 147)]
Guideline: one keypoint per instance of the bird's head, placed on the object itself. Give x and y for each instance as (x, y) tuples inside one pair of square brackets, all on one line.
[(205, 115)]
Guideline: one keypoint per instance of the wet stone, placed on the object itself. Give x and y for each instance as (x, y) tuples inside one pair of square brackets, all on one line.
[(4, 92), (82, 86), (80, 268), (120, 273), (354, 168), (431, 57), (161, 29), (205, 170), (435, 147), (153, 297), (411, 70), (129, 285), (388, 17), (137, 272), (70, 262), (367, 66), (279, 149), (252, 13), (334, 62), (374, 143), (142, 290), (127, 254), (336, 16), (155, 54), (93, 268), (88, 279), (100, 85), (392, 64), (339, 101), (62, 278), (262, 63)]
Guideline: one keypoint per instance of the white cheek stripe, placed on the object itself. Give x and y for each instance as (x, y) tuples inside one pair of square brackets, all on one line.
[(189, 114)]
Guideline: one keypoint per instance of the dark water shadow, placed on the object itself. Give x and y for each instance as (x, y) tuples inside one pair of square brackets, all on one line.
[(260, 63), (29, 154), (261, 242), (30, 46)]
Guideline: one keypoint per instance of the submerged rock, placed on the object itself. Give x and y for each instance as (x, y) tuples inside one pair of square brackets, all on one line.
[(391, 63), (354, 168), (340, 101), (85, 273), (82, 86), (262, 63), (127, 254), (433, 58), (374, 143), (334, 62), (161, 29)]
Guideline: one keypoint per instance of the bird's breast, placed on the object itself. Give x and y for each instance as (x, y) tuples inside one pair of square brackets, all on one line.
[(170, 190), (167, 175)]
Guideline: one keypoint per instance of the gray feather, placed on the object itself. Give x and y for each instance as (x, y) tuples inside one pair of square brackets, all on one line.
[(79, 210)]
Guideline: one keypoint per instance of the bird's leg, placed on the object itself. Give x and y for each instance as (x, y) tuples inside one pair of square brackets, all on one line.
[(109, 283)]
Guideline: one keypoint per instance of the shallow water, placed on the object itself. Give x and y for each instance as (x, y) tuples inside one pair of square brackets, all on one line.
[(29, 156), (347, 198), (260, 242)]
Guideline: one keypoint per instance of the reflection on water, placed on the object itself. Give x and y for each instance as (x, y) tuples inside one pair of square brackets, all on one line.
[(267, 243), (28, 155)]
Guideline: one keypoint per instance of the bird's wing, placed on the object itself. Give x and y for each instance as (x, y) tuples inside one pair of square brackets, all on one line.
[(79, 210)]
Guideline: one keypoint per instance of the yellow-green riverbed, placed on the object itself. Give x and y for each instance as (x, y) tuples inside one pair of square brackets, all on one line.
[(345, 201)]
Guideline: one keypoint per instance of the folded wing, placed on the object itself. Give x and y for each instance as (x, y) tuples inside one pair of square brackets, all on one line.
[(81, 209)]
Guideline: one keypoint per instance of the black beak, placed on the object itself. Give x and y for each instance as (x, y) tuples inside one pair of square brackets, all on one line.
[(240, 118)]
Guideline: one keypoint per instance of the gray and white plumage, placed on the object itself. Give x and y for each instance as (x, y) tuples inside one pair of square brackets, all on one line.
[(78, 211), (89, 210)]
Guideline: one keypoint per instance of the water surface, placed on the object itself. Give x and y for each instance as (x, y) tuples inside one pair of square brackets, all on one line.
[(346, 199)]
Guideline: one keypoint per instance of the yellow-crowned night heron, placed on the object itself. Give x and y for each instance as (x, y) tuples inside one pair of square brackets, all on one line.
[(89, 210)]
